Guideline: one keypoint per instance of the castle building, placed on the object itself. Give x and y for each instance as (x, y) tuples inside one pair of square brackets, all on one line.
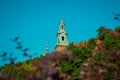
[(62, 37)]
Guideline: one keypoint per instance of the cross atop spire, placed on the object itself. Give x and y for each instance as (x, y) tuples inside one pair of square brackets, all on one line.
[(62, 18)]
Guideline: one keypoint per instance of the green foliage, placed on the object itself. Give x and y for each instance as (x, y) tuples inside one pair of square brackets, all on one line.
[(76, 73), (108, 77), (91, 43), (118, 43), (117, 29), (66, 64), (101, 34), (81, 52), (110, 73), (111, 69), (68, 68), (107, 37), (74, 66), (100, 57), (71, 47), (71, 67), (102, 31), (12, 70), (28, 67), (109, 41), (37, 58)]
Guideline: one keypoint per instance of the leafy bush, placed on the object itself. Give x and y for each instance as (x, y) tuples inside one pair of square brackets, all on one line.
[(28, 67), (100, 57), (117, 29)]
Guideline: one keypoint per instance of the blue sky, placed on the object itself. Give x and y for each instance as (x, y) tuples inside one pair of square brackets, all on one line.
[(36, 22)]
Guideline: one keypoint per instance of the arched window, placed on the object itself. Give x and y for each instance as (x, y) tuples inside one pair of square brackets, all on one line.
[(62, 26), (62, 38)]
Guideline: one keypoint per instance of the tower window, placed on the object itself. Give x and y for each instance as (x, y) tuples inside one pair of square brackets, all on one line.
[(62, 38), (62, 26)]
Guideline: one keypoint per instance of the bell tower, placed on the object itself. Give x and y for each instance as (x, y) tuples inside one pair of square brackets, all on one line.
[(62, 40)]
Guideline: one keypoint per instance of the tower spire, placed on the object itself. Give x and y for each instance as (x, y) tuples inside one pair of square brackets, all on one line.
[(62, 25), (62, 41), (47, 49)]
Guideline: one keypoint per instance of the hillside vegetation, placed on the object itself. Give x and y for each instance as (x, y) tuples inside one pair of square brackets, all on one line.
[(93, 61)]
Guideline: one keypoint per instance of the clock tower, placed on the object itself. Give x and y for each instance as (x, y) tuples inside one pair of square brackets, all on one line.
[(62, 40)]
